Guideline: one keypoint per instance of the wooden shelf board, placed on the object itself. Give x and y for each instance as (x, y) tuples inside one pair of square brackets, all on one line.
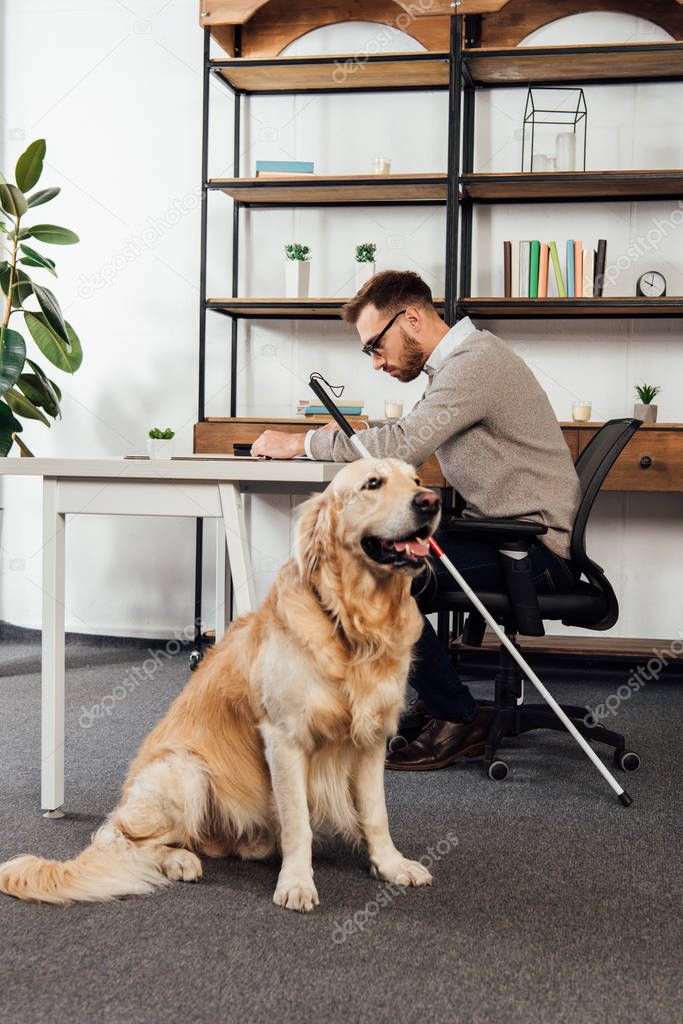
[(577, 185), (341, 72), (609, 306), (602, 646), (335, 190), (575, 64), (284, 309)]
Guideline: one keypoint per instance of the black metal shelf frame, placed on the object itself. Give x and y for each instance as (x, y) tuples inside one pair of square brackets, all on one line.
[(212, 67)]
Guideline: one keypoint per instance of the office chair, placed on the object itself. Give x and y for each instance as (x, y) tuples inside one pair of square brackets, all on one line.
[(519, 608)]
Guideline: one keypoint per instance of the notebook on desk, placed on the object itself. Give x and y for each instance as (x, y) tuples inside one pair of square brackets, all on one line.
[(198, 457)]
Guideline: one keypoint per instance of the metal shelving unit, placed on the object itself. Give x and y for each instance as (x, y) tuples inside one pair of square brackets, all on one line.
[(386, 73), (463, 70)]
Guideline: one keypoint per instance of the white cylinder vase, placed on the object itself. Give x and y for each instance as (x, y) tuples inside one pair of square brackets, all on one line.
[(160, 447), (297, 277), (364, 271)]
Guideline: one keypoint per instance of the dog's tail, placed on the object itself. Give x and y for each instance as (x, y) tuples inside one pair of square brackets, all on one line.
[(112, 866)]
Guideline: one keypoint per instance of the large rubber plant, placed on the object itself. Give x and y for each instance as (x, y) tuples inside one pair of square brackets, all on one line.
[(26, 391)]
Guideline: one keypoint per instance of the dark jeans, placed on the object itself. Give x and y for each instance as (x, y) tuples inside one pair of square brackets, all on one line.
[(432, 675)]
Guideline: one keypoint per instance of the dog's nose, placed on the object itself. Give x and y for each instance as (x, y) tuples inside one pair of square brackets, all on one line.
[(427, 501)]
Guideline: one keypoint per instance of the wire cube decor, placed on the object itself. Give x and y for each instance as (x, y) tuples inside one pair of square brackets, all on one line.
[(551, 106)]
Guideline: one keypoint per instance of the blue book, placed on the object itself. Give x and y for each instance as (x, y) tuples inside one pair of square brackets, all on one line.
[(570, 268), (347, 410), (285, 166)]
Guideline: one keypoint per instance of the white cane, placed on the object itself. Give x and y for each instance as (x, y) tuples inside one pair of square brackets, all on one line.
[(343, 423)]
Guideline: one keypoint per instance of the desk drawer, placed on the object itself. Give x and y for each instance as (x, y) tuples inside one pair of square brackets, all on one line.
[(651, 461)]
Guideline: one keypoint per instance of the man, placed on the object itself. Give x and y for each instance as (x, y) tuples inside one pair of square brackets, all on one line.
[(499, 445)]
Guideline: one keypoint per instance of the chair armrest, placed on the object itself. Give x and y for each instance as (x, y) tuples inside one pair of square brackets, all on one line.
[(505, 529)]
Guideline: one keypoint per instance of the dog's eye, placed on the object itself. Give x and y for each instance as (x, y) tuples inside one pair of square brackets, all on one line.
[(372, 483), (417, 481)]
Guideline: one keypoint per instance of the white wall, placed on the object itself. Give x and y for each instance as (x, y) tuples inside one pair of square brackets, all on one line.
[(116, 90)]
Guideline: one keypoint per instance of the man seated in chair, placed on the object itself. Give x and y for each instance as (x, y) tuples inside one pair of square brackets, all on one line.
[(499, 445)]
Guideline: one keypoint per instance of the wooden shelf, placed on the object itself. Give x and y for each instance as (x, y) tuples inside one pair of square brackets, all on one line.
[(326, 190), (575, 64), (561, 309), (284, 309), (600, 646), (336, 73), (573, 186)]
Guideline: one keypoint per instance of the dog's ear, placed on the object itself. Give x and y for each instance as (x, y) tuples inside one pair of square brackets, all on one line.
[(312, 534)]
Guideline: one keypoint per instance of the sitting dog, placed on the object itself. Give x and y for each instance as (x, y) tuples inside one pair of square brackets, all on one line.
[(282, 729)]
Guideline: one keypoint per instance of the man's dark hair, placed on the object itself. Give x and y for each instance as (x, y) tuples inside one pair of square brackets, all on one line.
[(388, 292)]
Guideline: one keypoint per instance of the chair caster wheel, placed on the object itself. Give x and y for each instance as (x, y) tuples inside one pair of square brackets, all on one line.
[(498, 771), (195, 658), (626, 760), (396, 743)]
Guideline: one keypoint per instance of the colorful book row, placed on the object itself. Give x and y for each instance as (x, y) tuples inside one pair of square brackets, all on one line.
[(527, 269)]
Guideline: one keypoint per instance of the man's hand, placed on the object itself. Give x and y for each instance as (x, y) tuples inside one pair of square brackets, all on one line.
[(275, 444)]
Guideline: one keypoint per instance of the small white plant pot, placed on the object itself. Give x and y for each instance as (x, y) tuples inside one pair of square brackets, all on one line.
[(646, 413), (364, 271), (297, 277), (160, 448)]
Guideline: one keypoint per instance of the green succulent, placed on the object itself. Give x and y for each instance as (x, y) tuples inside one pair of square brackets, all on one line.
[(365, 252), (25, 389), (157, 434), (647, 392), (297, 251)]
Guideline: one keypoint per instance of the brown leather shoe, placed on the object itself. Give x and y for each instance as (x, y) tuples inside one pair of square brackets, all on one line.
[(442, 743)]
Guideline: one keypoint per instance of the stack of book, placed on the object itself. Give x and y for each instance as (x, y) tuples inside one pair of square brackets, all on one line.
[(527, 269), (347, 406), (283, 168)]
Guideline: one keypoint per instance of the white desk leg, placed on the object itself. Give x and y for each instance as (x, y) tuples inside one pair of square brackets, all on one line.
[(222, 582), (238, 547), (52, 735)]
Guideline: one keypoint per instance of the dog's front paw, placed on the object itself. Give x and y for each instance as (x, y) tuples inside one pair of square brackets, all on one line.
[(402, 871), (182, 866), (296, 894)]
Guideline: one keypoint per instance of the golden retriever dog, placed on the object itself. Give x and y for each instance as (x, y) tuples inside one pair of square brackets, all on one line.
[(282, 729)]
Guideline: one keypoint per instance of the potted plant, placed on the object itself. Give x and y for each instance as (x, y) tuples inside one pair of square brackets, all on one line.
[(25, 389), (646, 411), (160, 443), (365, 263), (297, 270)]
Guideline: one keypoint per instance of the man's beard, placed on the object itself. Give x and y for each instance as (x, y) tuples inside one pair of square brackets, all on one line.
[(412, 358)]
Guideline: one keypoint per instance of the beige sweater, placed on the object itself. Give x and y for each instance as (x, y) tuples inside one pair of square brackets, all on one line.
[(493, 430)]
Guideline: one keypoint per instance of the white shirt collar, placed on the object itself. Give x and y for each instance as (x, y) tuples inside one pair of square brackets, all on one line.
[(448, 343)]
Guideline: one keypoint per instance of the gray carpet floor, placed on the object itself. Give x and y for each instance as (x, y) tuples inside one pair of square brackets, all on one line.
[(551, 902)]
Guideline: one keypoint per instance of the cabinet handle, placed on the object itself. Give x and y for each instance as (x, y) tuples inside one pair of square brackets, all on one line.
[(645, 462)]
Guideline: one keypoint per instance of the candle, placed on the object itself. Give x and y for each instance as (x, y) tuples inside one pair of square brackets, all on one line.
[(393, 410), (542, 162), (381, 165), (565, 156), (581, 411)]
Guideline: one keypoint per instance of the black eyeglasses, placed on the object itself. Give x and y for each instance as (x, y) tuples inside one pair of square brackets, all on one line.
[(370, 347)]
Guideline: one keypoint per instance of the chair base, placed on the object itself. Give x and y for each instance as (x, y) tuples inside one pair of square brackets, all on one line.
[(512, 719)]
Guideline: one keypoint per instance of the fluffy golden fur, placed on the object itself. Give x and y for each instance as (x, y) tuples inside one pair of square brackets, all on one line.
[(282, 729)]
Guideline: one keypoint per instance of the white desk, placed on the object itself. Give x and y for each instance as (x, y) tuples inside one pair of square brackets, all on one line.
[(195, 488)]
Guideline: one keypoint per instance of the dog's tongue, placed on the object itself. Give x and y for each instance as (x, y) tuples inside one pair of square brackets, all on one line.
[(415, 548)]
